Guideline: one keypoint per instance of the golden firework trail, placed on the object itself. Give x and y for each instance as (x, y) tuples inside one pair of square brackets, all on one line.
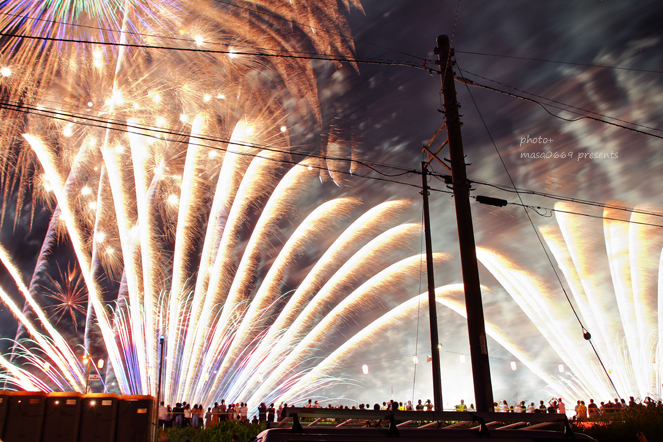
[(153, 166), (613, 270)]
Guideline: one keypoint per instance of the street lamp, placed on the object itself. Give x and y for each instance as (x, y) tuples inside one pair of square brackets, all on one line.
[(162, 339), (87, 359), (100, 365)]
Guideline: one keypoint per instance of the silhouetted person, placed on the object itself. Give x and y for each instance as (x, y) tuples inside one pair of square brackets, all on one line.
[(262, 412)]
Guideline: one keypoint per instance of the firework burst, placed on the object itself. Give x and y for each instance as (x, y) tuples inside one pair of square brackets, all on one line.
[(69, 293), (171, 184)]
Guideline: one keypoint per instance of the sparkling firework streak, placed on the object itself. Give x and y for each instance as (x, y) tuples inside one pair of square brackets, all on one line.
[(70, 296), (123, 144), (613, 281)]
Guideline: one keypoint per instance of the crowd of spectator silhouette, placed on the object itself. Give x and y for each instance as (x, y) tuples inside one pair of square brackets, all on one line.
[(183, 414)]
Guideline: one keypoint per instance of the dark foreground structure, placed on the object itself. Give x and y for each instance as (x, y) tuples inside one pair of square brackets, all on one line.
[(35, 416), (417, 426)]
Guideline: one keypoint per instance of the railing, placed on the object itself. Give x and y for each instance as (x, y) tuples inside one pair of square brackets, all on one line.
[(427, 419)]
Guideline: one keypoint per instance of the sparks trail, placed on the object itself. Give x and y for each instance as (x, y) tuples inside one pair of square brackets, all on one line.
[(160, 134), (153, 216)]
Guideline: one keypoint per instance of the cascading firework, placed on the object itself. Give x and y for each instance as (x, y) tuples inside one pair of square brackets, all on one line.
[(165, 174), (614, 274), (226, 334)]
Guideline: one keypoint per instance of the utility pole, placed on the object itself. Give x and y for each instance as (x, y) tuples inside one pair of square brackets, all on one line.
[(483, 391), (432, 305)]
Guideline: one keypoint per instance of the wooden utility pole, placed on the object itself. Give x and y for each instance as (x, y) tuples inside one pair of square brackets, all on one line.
[(432, 305), (483, 390)]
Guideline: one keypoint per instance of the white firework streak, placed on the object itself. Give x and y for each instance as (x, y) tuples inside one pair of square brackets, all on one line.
[(257, 181), (449, 296), (364, 294), (536, 302), (190, 197), (321, 219), (61, 349), (280, 201), (47, 161), (206, 290), (366, 226), (362, 262)]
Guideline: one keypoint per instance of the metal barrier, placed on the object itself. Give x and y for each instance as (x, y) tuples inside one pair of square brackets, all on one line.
[(25, 416), (62, 417), (28, 416), (427, 419)]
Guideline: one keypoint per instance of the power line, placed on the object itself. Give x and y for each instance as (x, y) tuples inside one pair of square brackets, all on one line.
[(74, 118), (560, 62), (570, 212), (566, 199), (188, 40), (94, 28), (110, 125), (315, 28), (565, 104), (558, 197), (569, 199), (227, 51), (126, 128), (474, 83), (602, 217), (332, 158)]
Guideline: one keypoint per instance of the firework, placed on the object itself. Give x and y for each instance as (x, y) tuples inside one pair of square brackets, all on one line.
[(154, 167), (612, 280)]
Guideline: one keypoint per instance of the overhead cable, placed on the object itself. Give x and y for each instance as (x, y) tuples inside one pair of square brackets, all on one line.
[(163, 133), (474, 83), (564, 104), (227, 51), (560, 62)]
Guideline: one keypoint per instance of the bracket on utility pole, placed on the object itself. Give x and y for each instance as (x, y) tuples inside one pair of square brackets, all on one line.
[(433, 155)]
